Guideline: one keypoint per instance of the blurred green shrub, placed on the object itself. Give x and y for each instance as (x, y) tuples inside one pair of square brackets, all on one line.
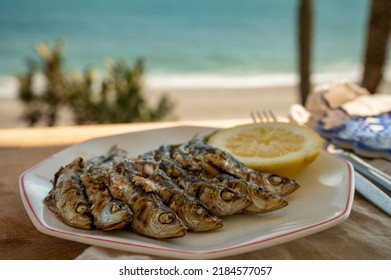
[(117, 98), (45, 102)]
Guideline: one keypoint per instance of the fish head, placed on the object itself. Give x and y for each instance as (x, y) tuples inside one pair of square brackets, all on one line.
[(77, 214), (197, 218), (279, 184), (262, 199), (232, 201), (114, 215), (222, 201), (156, 220), (166, 224)]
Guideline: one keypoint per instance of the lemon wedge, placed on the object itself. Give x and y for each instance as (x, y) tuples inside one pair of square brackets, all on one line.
[(281, 148)]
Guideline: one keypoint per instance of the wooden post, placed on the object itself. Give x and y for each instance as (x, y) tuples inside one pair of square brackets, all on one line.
[(305, 42), (378, 34)]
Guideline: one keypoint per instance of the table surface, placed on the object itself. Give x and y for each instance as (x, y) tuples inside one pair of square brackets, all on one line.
[(366, 234)]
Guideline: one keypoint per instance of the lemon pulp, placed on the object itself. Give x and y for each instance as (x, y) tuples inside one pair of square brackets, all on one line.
[(281, 148)]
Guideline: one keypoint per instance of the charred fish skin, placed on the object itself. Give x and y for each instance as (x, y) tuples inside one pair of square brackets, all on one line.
[(219, 200), (226, 162), (278, 184), (67, 198), (145, 165), (262, 199), (223, 169), (151, 217), (188, 162), (190, 210), (114, 153), (108, 213)]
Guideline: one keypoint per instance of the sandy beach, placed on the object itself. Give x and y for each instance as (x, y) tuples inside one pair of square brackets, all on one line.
[(194, 103), (190, 104)]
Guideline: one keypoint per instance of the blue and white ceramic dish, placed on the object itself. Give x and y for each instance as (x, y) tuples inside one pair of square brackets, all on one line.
[(368, 137)]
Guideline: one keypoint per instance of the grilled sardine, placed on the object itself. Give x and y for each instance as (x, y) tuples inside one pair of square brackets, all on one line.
[(192, 213), (262, 199), (67, 198), (226, 162), (151, 217), (218, 199), (108, 213)]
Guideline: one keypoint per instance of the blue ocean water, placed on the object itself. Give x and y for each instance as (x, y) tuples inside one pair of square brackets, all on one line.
[(209, 37)]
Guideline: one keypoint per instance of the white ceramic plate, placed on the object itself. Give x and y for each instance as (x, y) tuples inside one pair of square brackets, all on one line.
[(324, 200)]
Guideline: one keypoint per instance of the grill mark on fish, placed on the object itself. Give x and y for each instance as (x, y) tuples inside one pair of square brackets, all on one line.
[(192, 213), (67, 198), (218, 199), (227, 163), (108, 213), (152, 218), (262, 200)]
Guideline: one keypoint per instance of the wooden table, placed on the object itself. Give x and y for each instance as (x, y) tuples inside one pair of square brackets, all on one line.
[(365, 235)]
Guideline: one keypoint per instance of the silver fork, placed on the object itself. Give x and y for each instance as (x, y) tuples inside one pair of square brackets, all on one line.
[(297, 114), (263, 116)]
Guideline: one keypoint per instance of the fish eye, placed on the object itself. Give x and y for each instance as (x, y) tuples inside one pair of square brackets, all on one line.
[(275, 180), (239, 186), (115, 208), (81, 208), (199, 211), (260, 190), (166, 218), (227, 195)]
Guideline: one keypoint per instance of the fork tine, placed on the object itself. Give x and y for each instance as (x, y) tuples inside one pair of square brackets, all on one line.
[(266, 115), (253, 117), (272, 116), (259, 115), (263, 116)]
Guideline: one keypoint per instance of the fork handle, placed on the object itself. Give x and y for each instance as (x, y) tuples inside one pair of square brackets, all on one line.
[(377, 176), (373, 194)]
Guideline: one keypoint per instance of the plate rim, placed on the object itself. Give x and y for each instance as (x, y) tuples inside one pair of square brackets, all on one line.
[(179, 253)]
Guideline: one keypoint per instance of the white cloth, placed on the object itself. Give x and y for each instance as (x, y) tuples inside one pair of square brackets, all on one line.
[(336, 103), (99, 253)]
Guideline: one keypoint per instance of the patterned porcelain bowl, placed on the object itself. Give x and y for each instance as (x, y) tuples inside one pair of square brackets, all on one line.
[(368, 137)]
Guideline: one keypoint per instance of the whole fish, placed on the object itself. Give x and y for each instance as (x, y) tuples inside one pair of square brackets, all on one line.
[(189, 209), (262, 199), (218, 199), (109, 213), (67, 198), (151, 217), (192, 213), (226, 162)]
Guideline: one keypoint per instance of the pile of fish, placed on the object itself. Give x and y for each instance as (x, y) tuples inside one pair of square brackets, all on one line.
[(163, 193)]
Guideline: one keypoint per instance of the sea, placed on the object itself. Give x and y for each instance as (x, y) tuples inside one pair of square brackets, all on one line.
[(189, 43)]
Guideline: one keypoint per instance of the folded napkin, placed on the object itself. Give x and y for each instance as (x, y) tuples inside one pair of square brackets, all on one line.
[(99, 253), (368, 106), (333, 104)]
